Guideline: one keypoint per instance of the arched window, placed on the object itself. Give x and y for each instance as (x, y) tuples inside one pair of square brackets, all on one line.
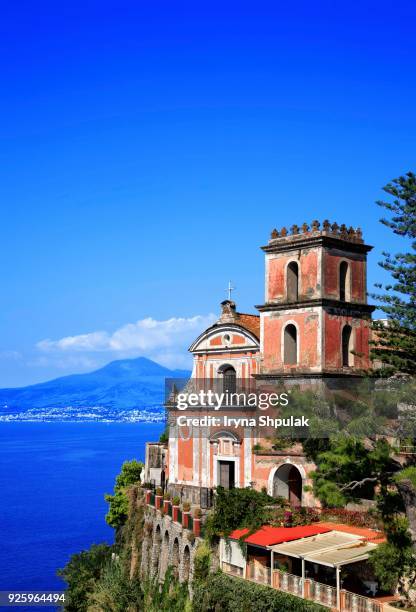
[(346, 346), (229, 379), (344, 282), (292, 282), (290, 345)]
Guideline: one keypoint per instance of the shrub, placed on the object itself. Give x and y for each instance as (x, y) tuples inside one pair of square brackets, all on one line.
[(202, 562), (294, 517), (357, 518), (81, 573), (171, 596), (164, 436), (186, 506), (115, 591), (197, 513), (176, 500), (228, 594), (238, 508), (159, 491), (129, 475), (167, 496)]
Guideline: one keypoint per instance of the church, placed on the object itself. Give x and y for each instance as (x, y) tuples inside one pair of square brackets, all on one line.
[(313, 327)]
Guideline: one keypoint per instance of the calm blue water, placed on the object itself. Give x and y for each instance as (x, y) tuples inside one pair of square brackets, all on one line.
[(52, 480)]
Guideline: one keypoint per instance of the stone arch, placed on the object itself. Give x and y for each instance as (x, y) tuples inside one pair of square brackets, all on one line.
[(186, 564), (175, 558), (164, 556), (218, 435), (156, 549), (286, 480)]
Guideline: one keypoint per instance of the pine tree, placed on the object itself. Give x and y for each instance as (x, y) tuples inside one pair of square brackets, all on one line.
[(395, 344)]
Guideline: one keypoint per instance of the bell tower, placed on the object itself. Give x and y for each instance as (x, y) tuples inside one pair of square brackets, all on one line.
[(315, 321)]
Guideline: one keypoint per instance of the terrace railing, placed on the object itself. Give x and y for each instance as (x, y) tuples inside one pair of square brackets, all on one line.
[(289, 583), (323, 594), (357, 603), (258, 573), (233, 570)]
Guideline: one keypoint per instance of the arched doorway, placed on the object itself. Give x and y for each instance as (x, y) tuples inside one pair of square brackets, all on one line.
[(287, 483), (186, 564), (175, 558)]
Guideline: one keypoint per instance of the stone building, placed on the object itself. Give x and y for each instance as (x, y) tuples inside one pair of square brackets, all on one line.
[(313, 328)]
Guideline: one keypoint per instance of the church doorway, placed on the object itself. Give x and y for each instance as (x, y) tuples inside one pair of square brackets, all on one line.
[(287, 483), (226, 471)]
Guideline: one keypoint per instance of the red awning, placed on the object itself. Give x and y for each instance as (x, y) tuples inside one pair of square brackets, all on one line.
[(268, 536)]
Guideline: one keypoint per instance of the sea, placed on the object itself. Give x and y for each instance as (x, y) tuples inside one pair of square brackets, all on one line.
[(53, 477)]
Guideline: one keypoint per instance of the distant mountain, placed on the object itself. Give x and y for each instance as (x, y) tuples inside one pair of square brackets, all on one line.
[(126, 384)]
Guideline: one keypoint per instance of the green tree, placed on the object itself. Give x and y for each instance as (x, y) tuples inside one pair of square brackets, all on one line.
[(394, 561), (81, 575), (395, 344), (119, 504), (349, 470)]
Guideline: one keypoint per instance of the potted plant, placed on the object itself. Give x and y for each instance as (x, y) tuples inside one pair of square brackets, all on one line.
[(197, 521), (158, 497), (175, 507), (186, 507)]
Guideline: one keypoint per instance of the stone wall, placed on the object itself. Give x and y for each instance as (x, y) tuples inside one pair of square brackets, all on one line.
[(189, 493), (165, 544)]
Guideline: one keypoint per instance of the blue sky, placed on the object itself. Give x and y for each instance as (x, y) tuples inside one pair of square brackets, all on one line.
[(148, 149)]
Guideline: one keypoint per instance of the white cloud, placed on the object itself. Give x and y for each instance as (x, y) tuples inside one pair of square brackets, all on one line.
[(146, 336)]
